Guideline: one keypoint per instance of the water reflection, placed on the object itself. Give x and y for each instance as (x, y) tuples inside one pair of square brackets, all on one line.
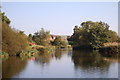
[(44, 58), (89, 60), (12, 67), (84, 64), (58, 54)]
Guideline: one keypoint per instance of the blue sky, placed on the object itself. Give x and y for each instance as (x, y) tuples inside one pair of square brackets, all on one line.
[(59, 17)]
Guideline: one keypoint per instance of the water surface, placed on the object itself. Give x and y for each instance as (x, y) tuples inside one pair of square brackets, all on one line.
[(61, 64)]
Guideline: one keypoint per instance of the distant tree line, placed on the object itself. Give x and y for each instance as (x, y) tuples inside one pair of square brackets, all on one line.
[(92, 35), (42, 37)]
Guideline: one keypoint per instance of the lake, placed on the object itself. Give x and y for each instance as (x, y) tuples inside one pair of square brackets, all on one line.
[(61, 64)]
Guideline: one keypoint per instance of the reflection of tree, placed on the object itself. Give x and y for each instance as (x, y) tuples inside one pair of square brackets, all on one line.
[(44, 58), (87, 60), (58, 54), (12, 66), (111, 51)]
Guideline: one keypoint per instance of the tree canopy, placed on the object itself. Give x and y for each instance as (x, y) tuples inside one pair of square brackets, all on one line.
[(59, 42), (42, 37), (92, 35)]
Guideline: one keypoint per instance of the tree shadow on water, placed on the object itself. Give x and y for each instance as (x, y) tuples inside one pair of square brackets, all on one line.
[(87, 60)]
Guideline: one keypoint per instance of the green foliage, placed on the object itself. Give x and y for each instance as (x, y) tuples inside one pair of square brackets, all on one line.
[(118, 39), (5, 18), (13, 41), (59, 42), (92, 35), (30, 38), (42, 37), (71, 42), (47, 49), (113, 36), (4, 55), (28, 53)]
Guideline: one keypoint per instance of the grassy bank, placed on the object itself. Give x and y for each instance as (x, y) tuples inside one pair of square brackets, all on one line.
[(36, 50), (30, 52)]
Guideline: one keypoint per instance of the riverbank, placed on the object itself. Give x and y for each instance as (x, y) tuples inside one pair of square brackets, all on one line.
[(31, 51), (107, 49)]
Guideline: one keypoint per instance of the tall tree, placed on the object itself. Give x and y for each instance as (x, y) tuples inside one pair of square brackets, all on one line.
[(42, 37)]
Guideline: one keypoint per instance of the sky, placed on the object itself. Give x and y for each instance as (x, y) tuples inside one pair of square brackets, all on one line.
[(59, 17)]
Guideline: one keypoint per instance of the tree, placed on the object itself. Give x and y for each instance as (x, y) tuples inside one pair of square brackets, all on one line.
[(12, 40), (42, 37), (59, 42), (30, 38), (113, 36), (92, 35)]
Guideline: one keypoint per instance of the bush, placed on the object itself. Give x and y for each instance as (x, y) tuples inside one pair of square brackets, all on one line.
[(28, 53), (47, 49)]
